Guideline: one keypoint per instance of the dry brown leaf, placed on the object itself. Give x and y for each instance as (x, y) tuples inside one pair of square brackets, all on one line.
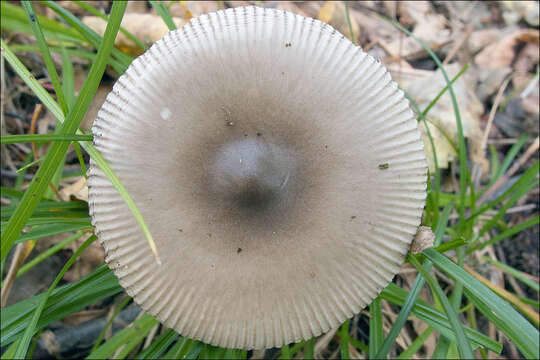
[(490, 80), (412, 12), (83, 316), (526, 61), (333, 13), (442, 113), (91, 257), (137, 6), (292, 7), (189, 9), (77, 190), (502, 53), (479, 39), (430, 27), (513, 11), (146, 27)]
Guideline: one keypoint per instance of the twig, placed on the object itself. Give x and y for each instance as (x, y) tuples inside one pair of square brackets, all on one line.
[(322, 343), (502, 141), (530, 87), (457, 46), (519, 163), (21, 253), (150, 337), (493, 111), (511, 280), (37, 111)]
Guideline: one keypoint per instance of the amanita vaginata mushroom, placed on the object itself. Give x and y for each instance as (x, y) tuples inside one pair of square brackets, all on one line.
[(278, 167)]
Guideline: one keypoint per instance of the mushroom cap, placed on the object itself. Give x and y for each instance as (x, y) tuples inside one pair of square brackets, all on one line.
[(278, 167)]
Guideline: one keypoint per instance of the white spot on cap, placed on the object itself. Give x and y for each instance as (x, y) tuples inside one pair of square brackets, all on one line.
[(165, 113)]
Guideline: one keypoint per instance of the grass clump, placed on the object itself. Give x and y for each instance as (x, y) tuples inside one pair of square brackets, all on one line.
[(460, 299)]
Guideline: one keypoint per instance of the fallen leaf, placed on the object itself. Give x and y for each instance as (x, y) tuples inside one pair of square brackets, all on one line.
[(146, 27), (423, 90), (77, 190), (333, 13), (91, 257), (513, 11), (502, 53), (189, 9), (489, 80), (429, 26), (479, 39)]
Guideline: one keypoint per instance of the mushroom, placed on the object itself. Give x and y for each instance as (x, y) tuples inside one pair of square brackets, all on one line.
[(278, 167)]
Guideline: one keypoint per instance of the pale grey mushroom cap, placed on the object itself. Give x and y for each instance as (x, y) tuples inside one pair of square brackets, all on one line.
[(279, 169)]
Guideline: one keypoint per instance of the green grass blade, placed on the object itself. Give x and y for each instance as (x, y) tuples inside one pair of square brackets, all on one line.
[(349, 23), (461, 139), (162, 10), (14, 18), (442, 92), (56, 152), (102, 163), (375, 327), (194, 351), (519, 330), (31, 328), (510, 156), (419, 282), (344, 338), (25, 167), (49, 63), (68, 78), (515, 273), (65, 300), (31, 81), (126, 338), (12, 139), (80, 158), (159, 345), (525, 179), (88, 7), (416, 344), (90, 35), (49, 252), (309, 350), (505, 234), (109, 322), (55, 109), (12, 193), (463, 344), (285, 352), (9, 354), (436, 319), (520, 192), (180, 349)]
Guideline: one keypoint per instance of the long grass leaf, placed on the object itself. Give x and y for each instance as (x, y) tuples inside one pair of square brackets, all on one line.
[(515, 273), (461, 139), (463, 344), (47, 58), (414, 292), (436, 319), (375, 327), (518, 330), (31, 81), (88, 7), (63, 301), (31, 328), (162, 10), (132, 335), (56, 152), (13, 139)]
